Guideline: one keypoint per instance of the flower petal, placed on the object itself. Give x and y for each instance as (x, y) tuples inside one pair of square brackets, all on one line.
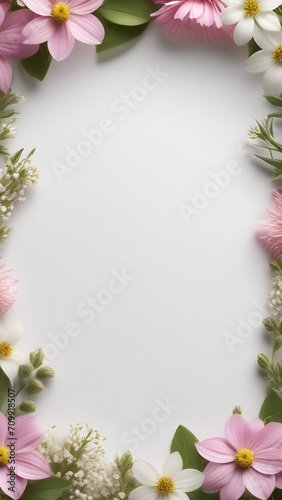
[(39, 30), (232, 15), (234, 488), (4, 7), (41, 7), (14, 335), (269, 4), (272, 80), (5, 81), (20, 485), (278, 480), (173, 465), (10, 367), (260, 61), (268, 21), (217, 475), (177, 495), (29, 433), (244, 30), (145, 473), (256, 425), (144, 493), (61, 43), (237, 432), (268, 461), (20, 357), (86, 29), (259, 485), (216, 450), (188, 480), (269, 437), (183, 10), (84, 7), (32, 465)]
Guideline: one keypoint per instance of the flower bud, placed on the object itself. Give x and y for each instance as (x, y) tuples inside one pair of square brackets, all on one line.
[(25, 371), (237, 410), (37, 358), (45, 372), (264, 361), (35, 386), (27, 406)]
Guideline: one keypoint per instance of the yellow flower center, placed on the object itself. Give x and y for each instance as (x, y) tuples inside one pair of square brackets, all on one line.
[(4, 456), (277, 54), (60, 12), (165, 485), (244, 458), (251, 7), (6, 350)]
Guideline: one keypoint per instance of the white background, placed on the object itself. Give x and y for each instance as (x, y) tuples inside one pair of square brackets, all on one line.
[(162, 337)]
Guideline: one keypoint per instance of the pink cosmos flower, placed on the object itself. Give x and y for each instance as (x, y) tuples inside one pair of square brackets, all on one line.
[(247, 458), (270, 231), (29, 463), (11, 44), (61, 23), (7, 284), (4, 7), (193, 20)]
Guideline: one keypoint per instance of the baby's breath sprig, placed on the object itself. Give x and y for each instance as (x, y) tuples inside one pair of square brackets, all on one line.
[(7, 131)]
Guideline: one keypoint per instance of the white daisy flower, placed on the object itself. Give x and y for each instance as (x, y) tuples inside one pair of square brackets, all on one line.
[(251, 17), (172, 484), (11, 358), (269, 62)]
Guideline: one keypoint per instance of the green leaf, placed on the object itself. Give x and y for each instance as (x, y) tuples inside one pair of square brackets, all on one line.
[(116, 35), (277, 343), (253, 47), (38, 65), (271, 409), (184, 442), (46, 489), (5, 385), (274, 100), (128, 12), (274, 163)]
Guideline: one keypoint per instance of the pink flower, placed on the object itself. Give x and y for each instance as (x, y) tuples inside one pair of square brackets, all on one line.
[(29, 463), (7, 284), (270, 231), (248, 457), (4, 7), (194, 20), (61, 23), (10, 30)]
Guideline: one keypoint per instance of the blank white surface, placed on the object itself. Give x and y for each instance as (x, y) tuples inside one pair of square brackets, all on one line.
[(162, 337)]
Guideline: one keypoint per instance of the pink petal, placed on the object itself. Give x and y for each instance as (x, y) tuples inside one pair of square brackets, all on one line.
[(216, 450), (278, 479), (196, 10), (20, 485), (41, 7), (86, 29), (268, 461), (217, 475), (84, 7), (270, 436), (3, 424), (32, 465), (5, 74), (61, 43), (237, 432), (256, 426), (235, 488), (261, 486), (183, 10), (4, 7), (29, 433), (39, 30), (11, 40)]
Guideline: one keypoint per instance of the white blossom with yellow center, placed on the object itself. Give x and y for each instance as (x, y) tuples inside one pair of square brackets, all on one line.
[(172, 484), (11, 357), (251, 18)]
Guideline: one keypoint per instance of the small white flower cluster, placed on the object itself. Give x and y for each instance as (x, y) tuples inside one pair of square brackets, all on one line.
[(80, 458), (275, 298), (7, 131)]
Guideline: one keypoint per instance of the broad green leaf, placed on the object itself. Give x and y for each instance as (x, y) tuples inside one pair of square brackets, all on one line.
[(275, 163), (38, 65), (253, 47), (116, 35), (5, 385), (46, 489), (128, 12), (184, 442), (271, 409), (274, 100)]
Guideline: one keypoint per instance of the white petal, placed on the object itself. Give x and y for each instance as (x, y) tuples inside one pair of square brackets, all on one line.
[(244, 30), (19, 357), (144, 493), (178, 495), (259, 62), (232, 15), (272, 80), (188, 480), (264, 39), (268, 21), (173, 465), (269, 4), (13, 336), (145, 473), (10, 367)]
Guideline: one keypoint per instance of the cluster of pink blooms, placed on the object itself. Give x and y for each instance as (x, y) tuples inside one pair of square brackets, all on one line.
[(248, 457), (270, 231), (7, 290)]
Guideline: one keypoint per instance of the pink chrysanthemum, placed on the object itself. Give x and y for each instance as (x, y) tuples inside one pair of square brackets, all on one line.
[(247, 458), (193, 20), (270, 231), (7, 290)]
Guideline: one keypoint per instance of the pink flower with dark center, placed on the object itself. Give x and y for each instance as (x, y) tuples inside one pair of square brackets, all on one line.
[(194, 20), (61, 23), (247, 458), (11, 44), (7, 290), (270, 231), (29, 463)]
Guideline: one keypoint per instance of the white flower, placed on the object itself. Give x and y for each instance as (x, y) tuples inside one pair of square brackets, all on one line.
[(269, 61), (172, 484), (251, 17), (11, 358)]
